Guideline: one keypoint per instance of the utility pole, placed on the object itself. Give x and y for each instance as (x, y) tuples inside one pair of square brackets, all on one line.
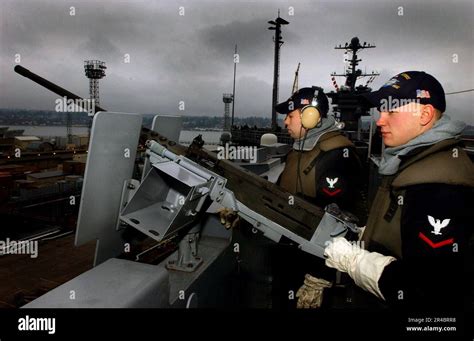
[(236, 60)]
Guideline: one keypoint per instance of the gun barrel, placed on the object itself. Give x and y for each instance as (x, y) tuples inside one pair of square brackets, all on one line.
[(266, 198), (146, 133), (49, 85)]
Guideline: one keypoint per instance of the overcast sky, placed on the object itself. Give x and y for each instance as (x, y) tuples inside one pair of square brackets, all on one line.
[(175, 57)]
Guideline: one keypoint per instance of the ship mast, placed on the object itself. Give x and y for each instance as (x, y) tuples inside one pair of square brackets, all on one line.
[(295, 82), (346, 101), (353, 73), (277, 23)]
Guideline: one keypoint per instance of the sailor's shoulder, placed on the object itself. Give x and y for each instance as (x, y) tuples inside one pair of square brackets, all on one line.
[(334, 140)]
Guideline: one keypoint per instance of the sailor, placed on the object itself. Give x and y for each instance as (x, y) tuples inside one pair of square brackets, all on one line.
[(416, 253), (322, 168)]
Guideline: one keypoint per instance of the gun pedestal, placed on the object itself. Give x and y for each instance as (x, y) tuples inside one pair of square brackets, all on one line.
[(188, 259)]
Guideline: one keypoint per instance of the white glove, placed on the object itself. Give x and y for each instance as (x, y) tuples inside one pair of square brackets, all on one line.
[(364, 267)]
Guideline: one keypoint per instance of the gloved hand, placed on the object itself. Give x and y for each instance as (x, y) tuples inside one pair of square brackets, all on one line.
[(229, 218), (310, 295), (364, 267)]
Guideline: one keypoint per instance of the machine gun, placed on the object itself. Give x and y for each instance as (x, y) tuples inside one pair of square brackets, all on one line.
[(185, 181)]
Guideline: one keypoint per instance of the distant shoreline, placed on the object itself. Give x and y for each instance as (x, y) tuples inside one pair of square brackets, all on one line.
[(43, 125), (86, 126)]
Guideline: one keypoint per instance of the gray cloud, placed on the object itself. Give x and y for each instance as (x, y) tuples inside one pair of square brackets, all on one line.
[(252, 38), (189, 58)]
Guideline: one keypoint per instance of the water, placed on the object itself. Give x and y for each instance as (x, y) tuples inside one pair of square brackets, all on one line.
[(42, 131), (209, 137), (186, 136)]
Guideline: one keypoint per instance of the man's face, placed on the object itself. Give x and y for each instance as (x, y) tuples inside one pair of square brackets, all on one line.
[(293, 124), (401, 124)]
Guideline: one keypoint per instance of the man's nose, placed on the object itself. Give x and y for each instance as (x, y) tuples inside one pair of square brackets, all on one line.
[(382, 119)]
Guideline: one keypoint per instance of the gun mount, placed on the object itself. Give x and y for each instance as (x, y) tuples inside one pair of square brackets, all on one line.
[(179, 187)]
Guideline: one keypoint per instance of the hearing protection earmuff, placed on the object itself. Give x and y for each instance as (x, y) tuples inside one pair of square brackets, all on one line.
[(310, 114)]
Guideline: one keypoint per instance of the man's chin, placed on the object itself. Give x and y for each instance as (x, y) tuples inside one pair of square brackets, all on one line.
[(387, 142), (390, 143)]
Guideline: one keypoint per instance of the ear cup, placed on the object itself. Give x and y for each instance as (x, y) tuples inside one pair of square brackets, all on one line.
[(310, 117)]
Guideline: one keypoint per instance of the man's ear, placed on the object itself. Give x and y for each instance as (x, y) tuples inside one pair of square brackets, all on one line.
[(428, 114)]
